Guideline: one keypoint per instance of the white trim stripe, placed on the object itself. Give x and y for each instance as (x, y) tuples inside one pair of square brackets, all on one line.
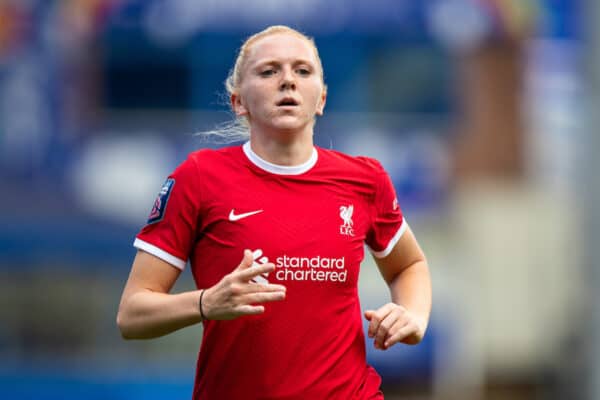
[(160, 253), (392, 243), (280, 169)]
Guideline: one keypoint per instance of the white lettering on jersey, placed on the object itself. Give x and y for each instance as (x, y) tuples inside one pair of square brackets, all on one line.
[(292, 268)]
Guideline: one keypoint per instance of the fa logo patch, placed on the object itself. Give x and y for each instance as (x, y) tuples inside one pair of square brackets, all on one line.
[(160, 204), (346, 216)]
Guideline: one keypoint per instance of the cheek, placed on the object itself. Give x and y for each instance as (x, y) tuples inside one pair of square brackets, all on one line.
[(254, 97), (315, 95)]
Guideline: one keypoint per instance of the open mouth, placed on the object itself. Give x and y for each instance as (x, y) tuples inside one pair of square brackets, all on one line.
[(287, 102)]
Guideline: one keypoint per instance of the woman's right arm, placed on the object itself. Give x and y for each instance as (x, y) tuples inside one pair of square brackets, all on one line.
[(147, 310)]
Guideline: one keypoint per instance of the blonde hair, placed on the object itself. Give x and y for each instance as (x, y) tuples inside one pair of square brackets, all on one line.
[(238, 129)]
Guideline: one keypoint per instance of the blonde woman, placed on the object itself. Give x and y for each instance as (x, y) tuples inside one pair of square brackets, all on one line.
[(285, 321)]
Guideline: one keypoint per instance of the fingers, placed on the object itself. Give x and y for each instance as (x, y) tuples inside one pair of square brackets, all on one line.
[(250, 304), (260, 287), (224, 302), (408, 334), (247, 261), (241, 292), (249, 310), (249, 269), (262, 297), (376, 317), (248, 273), (384, 328), (391, 324)]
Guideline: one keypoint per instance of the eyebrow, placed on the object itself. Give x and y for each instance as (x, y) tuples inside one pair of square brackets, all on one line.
[(275, 62)]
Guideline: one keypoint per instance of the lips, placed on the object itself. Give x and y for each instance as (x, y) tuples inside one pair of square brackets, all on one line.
[(287, 102)]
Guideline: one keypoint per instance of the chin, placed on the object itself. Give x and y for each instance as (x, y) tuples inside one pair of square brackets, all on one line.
[(288, 124)]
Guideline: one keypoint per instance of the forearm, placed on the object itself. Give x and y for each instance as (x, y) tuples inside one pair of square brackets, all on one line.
[(411, 288), (146, 314)]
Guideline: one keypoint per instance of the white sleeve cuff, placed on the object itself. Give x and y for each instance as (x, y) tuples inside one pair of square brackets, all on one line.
[(160, 253), (392, 242)]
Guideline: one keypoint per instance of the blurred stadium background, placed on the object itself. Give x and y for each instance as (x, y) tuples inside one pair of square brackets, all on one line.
[(482, 111)]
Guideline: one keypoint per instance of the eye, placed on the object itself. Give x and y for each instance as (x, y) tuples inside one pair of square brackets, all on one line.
[(303, 71), (267, 72)]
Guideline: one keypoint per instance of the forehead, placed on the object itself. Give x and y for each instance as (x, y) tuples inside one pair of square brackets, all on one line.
[(282, 47)]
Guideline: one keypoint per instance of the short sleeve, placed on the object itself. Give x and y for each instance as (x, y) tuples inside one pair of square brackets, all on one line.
[(171, 227), (387, 221)]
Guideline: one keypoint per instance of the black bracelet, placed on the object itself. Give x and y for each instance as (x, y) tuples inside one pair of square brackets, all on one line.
[(200, 306)]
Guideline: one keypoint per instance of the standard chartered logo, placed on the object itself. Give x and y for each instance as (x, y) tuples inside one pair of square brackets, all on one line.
[(310, 269), (296, 268)]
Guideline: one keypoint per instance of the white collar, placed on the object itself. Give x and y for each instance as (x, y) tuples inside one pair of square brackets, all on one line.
[(280, 169)]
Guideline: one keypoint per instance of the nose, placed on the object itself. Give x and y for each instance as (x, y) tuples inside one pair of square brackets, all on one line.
[(288, 81)]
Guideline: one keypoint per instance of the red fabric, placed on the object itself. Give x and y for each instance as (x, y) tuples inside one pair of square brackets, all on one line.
[(311, 345)]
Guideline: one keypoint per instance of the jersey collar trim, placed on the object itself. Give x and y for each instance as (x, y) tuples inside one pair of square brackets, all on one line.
[(280, 169)]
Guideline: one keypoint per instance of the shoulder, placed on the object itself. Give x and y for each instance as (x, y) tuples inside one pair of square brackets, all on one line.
[(354, 164), (363, 175), (200, 165), (210, 159), (207, 155)]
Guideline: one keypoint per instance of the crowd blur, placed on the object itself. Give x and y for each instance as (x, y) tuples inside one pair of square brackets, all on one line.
[(475, 107)]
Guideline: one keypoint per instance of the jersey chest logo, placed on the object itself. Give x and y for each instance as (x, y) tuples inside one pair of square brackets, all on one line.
[(346, 215), (236, 217)]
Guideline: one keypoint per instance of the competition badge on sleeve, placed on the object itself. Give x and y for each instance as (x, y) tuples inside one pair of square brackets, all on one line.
[(160, 204)]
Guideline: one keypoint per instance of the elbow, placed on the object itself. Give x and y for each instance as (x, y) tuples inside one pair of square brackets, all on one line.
[(131, 328), (124, 326)]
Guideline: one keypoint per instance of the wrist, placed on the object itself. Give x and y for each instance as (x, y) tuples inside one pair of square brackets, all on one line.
[(201, 306)]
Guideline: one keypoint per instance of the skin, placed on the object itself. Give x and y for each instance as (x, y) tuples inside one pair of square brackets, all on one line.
[(279, 66), (405, 318), (147, 310)]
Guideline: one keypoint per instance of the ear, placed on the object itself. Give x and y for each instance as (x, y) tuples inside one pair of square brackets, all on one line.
[(322, 101), (237, 106)]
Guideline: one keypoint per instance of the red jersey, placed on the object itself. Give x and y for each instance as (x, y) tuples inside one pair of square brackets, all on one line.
[(312, 222)]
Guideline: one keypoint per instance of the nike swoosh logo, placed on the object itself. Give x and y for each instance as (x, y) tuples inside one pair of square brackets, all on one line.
[(235, 217)]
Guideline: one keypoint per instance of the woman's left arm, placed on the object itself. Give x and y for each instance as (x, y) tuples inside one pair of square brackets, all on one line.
[(406, 273)]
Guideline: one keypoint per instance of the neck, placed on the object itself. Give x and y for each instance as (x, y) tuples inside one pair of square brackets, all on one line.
[(284, 148)]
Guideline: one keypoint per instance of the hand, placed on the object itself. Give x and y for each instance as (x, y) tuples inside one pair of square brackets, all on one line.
[(391, 324), (235, 295)]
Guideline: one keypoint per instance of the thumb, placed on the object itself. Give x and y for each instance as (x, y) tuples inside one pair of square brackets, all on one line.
[(247, 260), (369, 314)]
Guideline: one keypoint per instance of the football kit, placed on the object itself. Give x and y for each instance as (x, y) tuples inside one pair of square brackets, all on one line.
[(312, 221)]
